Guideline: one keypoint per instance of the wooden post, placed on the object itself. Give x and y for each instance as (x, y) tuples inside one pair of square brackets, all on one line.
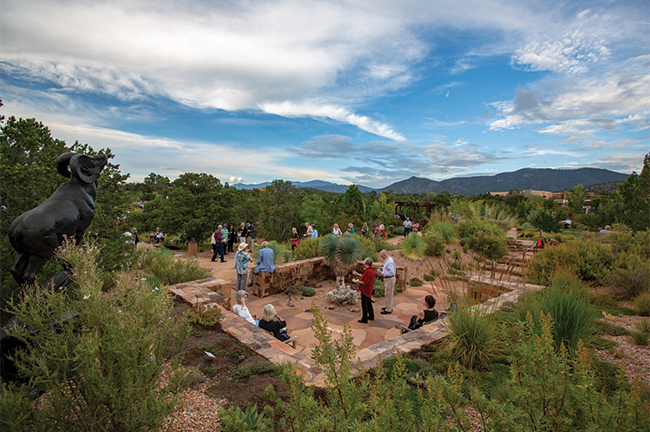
[(192, 249)]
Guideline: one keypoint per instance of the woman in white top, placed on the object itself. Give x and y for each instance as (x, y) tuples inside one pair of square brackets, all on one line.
[(337, 231), (241, 309)]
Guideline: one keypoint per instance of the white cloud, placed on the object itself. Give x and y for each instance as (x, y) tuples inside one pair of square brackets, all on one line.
[(289, 109), (586, 104)]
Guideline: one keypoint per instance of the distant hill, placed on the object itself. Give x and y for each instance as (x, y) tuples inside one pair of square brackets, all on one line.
[(548, 179), (314, 184)]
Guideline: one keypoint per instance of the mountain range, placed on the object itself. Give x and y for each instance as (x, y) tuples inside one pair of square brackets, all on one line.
[(547, 179)]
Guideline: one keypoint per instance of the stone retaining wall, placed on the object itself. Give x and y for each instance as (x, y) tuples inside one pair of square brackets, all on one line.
[(300, 272)]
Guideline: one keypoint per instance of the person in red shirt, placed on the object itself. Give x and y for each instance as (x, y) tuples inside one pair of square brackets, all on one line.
[(366, 286)]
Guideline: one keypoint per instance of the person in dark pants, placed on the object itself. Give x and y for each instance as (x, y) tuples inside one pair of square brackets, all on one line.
[(365, 287), (218, 245), (232, 234)]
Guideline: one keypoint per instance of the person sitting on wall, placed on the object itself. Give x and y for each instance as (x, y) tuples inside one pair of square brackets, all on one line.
[(241, 309), (265, 259), (427, 315), (273, 323)]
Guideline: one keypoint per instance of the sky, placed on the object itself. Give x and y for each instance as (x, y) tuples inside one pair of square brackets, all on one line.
[(364, 92)]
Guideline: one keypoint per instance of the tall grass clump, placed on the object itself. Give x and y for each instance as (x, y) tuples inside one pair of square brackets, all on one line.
[(567, 302), (160, 262), (413, 247), (496, 214), (641, 336), (642, 304), (445, 228), (99, 357), (590, 259), (474, 337)]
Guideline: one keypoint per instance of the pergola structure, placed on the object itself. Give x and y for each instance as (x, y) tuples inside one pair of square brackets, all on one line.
[(414, 208)]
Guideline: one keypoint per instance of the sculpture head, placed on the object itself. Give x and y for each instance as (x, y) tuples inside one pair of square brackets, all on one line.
[(84, 168)]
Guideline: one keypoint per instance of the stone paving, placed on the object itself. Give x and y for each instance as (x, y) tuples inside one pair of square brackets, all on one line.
[(374, 341)]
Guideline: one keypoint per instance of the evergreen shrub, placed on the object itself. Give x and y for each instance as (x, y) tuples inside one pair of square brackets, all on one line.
[(589, 259), (98, 356), (160, 262), (631, 276), (307, 248), (435, 244)]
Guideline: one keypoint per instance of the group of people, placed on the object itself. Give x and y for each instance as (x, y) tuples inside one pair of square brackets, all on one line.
[(225, 236), (273, 323)]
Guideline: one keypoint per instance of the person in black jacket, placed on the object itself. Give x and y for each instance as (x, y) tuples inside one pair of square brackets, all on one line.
[(272, 322), (427, 315)]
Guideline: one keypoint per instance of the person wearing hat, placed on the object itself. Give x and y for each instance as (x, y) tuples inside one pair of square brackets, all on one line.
[(242, 258)]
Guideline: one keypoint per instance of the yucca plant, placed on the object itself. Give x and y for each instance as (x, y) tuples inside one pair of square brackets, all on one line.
[(342, 254), (413, 247)]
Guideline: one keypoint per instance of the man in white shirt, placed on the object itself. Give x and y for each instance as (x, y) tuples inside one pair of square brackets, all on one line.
[(388, 272)]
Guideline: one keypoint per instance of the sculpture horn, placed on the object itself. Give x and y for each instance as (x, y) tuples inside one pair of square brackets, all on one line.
[(62, 163)]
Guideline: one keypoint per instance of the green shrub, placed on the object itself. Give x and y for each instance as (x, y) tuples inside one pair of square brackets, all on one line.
[(367, 245), (415, 282), (308, 291), (307, 249), (631, 276), (435, 244), (589, 259), (101, 363), (381, 244), (492, 245), (443, 227), (545, 220), (413, 247), (160, 262), (628, 242), (379, 288), (244, 421), (242, 373), (474, 337), (206, 317)]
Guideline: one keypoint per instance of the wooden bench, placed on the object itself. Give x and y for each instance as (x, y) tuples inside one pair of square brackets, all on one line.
[(291, 341)]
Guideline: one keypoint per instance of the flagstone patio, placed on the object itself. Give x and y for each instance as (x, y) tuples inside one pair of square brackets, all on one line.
[(379, 339)]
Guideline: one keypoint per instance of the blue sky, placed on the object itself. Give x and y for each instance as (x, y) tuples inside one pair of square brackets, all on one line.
[(365, 92)]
